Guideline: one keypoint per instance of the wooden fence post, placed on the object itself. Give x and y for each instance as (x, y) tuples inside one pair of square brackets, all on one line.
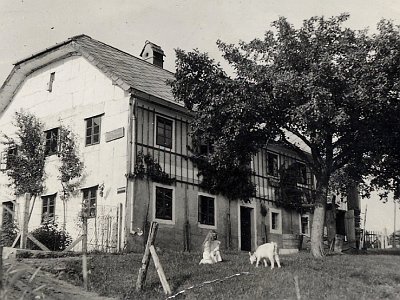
[(160, 271), (146, 257)]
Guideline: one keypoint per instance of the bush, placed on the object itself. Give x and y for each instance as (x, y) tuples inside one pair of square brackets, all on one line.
[(9, 231), (51, 236)]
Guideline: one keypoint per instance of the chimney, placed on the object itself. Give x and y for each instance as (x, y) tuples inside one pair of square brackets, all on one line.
[(153, 54)]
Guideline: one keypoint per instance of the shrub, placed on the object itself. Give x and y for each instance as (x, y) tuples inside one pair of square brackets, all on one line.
[(51, 236)]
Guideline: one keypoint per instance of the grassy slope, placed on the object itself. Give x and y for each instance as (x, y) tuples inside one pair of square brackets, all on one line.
[(335, 277)]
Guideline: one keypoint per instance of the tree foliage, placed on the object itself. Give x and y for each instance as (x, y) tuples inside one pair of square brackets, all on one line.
[(71, 166), (315, 84), (146, 167), (26, 164), (381, 83)]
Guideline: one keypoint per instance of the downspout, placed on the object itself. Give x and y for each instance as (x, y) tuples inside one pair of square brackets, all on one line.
[(130, 161)]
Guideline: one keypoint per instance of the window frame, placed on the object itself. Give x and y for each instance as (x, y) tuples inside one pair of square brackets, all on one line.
[(202, 225), (92, 207), (8, 212), (163, 146), (300, 166), (272, 211), (46, 205), (267, 164), (48, 149), (163, 221), (92, 129), (3, 161), (301, 216), (5, 157)]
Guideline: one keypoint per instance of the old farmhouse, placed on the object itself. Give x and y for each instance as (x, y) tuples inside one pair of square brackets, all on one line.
[(123, 111)]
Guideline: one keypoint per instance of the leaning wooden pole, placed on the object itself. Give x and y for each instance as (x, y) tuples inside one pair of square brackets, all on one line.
[(160, 271), (1, 268), (146, 257)]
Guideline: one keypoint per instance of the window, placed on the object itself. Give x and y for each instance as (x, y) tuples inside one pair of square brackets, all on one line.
[(89, 204), (305, 225), (93, 126), (51, 146), (8, 212), (205, 149), (3, 163), (275, 220), (7, 158), (272, 164), (50, 83), (206, 210), (164, 203), (302, 173), (164, 132), (48, 205)]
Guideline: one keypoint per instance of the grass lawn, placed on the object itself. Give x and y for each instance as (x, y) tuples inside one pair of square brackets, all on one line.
[(372, 276)]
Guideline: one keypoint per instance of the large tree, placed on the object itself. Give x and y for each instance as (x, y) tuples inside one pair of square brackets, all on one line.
[(381, 83), (307, 82)]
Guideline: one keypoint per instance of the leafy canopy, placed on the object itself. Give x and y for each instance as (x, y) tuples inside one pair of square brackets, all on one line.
[(26, 164), (301, 83), (71, 166), (381, 83)]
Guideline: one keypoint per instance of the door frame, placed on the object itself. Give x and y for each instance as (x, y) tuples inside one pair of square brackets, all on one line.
[(253, 218)]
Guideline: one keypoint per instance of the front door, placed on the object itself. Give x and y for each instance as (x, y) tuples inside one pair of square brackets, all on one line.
[(245, 228)]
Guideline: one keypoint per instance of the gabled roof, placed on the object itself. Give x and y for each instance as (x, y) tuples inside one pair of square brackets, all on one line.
[(125, 70)]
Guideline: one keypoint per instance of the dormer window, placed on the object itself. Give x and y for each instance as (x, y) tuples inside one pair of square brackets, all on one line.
[(50, 83)]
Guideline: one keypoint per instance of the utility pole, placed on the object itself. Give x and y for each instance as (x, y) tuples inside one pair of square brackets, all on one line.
[(394, 225)]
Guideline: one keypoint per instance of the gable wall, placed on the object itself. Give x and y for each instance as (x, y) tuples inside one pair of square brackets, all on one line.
[(79, 91)]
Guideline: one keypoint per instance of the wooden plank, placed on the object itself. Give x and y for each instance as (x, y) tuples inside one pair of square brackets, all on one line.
[(74, 243), (16, 240), (9, 210), (160, 271), (39, 244), (146, 257)]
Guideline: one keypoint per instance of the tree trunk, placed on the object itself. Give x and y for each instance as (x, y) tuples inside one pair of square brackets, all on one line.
[(64, 215), (317, 229)]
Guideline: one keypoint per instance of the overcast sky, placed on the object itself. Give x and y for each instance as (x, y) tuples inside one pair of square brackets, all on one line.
[(28, 26)]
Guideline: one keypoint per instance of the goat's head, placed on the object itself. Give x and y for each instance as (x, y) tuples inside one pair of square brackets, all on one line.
[(253, 258)]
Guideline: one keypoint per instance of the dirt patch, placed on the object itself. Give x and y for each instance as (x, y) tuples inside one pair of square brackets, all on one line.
[(53, 287)]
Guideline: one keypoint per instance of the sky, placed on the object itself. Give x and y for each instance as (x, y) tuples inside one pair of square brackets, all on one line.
[(29, 26)]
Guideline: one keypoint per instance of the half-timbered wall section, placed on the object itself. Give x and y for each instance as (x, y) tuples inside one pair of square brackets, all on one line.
[(174, 158), (268, 166)]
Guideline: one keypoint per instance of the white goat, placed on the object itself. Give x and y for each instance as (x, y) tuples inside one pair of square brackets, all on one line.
[(264, 251)]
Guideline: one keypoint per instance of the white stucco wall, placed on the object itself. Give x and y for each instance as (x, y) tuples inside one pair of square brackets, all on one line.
[(79, 91)]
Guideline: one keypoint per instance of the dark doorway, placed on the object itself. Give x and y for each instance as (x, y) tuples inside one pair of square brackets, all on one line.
[(245, 228)]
